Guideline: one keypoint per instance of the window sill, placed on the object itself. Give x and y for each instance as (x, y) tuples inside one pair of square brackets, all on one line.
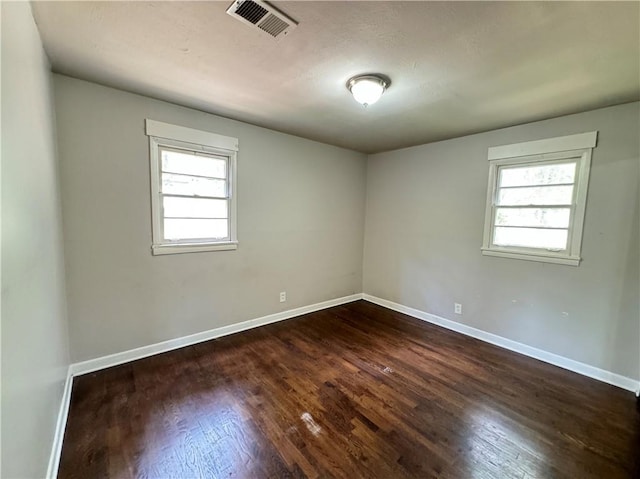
[(158, 249), (531, 256)]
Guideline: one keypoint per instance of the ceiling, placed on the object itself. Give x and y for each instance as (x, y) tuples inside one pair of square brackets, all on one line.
[(456, 67)]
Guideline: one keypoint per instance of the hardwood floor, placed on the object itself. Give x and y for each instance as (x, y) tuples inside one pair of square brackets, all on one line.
[(353, 391)]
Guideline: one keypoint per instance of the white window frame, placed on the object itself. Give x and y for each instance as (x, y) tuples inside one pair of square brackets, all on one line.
[(177, 137), (553, 150)]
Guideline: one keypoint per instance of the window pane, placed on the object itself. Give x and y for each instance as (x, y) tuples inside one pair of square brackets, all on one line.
[(536, 195), (194, 208), (538, 175), (193, 185), (549, 217), (176, 229), (191, 164), (530, 238)]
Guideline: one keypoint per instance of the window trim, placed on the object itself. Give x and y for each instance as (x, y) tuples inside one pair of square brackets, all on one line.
[(177, 137), (538, 152)]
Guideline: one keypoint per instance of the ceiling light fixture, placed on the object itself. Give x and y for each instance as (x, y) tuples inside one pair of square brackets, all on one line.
[(367, 89)]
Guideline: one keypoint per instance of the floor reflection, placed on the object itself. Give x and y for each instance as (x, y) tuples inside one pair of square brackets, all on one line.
[(205, 436), (497, 447)]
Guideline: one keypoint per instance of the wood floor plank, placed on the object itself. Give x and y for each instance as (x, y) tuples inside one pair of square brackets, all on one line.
[(353, 391)]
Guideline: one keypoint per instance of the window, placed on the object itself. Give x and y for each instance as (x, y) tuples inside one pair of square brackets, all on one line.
[(193, 200), (536, 199)]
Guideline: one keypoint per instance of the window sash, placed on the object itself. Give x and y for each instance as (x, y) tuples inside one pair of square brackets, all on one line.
[(496, 205), (162, 195)]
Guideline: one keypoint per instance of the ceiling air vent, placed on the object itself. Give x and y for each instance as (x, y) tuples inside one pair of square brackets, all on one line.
[(265, 17)]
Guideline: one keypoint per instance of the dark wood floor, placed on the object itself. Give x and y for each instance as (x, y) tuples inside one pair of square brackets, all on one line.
[(353, 391)]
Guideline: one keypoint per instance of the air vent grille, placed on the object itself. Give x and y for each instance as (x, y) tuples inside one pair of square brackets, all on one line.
[(273, 25), (262, 16), (251, 11)]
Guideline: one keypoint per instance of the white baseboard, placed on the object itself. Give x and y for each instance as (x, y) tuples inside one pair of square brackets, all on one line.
[(104, 362), (61, 424), (566, 363)]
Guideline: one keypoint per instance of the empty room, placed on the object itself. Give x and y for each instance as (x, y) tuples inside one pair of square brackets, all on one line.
[(320, 239)]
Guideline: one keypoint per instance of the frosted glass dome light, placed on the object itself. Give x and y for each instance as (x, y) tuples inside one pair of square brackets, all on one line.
[(367, 89)]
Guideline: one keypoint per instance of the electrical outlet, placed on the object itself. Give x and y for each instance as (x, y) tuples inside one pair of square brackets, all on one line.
[(457, 308), (283, 296)]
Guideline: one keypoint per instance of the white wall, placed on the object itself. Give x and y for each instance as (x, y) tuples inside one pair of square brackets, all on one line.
[(424, 225), (300, 225), (34, 331)]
